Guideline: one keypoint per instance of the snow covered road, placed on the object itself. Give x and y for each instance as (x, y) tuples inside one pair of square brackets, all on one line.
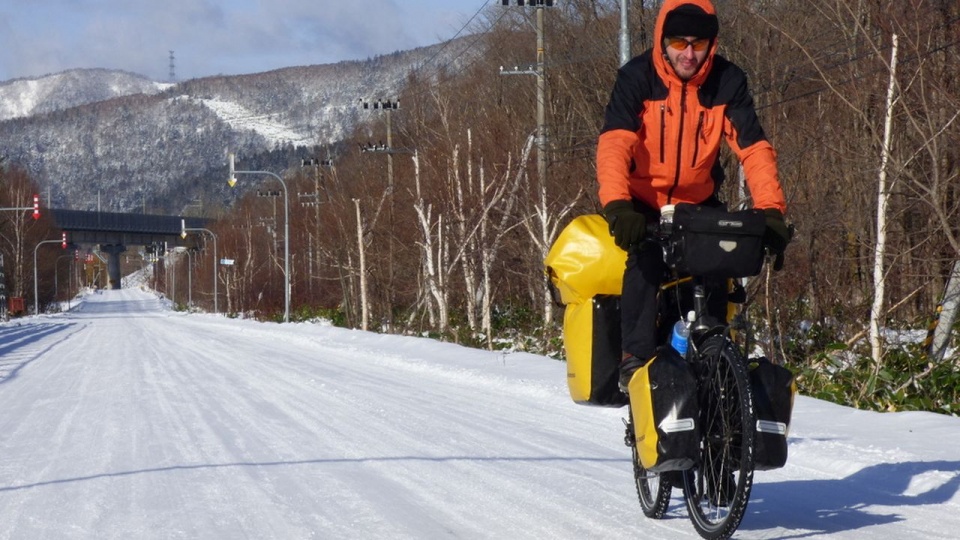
[(123, 419)]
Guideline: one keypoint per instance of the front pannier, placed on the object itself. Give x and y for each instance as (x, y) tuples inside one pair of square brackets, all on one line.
[(713, 242), (773, 389), (663, 401)]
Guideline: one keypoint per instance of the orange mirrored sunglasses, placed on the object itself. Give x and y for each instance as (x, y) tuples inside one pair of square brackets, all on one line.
[(680, 44)]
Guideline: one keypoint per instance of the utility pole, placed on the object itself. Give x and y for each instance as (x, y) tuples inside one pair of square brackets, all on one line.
[(387, 106), (538, 70), (545, 233), (313, 199)]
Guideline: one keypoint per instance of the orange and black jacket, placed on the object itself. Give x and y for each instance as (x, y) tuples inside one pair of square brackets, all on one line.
[(661, 137)]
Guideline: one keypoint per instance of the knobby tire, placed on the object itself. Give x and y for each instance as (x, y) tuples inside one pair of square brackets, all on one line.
[(718, 488), (653, 489)]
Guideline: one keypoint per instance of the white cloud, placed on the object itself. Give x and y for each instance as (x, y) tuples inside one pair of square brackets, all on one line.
[(212, 37)]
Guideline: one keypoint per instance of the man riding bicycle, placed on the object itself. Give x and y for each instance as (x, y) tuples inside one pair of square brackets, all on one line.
[(668, 112)]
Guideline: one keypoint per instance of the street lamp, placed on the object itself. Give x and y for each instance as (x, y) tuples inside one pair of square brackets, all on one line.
[(36, 302), (216, 262), (232, 181)]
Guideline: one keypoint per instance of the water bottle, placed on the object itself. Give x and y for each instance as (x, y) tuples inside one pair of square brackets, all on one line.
[(680, 337), (666, 218)]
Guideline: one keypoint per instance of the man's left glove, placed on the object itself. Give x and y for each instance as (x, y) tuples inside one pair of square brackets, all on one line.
[(777, 235), (626, 224)]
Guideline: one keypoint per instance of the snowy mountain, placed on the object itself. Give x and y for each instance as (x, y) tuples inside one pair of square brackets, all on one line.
[(157, 146), (125, 419), (28, 97)]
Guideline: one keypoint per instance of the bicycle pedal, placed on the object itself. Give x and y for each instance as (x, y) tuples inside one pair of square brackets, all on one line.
[(629, 438)]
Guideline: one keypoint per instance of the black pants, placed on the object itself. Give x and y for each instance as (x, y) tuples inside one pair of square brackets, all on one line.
[(638, 304), (644, 273)]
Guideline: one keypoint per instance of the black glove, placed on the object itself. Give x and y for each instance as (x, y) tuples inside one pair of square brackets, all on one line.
[(777, 235), (626, 224)]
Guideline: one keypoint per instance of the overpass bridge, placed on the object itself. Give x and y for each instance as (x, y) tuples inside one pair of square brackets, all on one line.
[(113, 232)]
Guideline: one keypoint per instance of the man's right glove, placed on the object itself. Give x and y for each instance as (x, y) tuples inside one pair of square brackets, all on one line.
[(626, 224), (777, 235)]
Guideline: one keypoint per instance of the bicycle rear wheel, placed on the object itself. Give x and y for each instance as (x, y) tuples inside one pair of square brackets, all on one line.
[(653, 489), (718, 489)]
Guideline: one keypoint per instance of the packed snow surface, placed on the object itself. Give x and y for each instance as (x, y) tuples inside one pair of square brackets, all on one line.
[(124, 419)]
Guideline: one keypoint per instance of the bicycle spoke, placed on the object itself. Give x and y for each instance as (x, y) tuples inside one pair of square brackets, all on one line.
[(718, 489)]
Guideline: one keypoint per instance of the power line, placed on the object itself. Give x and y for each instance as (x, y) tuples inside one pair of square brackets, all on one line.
[(455, 36)]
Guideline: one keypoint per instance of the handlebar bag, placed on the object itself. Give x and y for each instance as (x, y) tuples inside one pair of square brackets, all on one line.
[(713, 242)]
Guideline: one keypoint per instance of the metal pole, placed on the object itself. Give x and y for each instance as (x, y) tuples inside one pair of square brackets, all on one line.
[(172, 257), (36, 301), (189, 279), (388, 106), (541, 102), (286, 240), (390, 209), (56, 277), (216, 264)]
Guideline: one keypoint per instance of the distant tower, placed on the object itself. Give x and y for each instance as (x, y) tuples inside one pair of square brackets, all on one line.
[(173, 72)]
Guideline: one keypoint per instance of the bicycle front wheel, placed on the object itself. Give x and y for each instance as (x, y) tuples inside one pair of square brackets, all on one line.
[(718, 488)]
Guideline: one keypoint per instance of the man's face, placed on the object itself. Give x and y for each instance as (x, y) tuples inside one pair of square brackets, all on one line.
[(683, 54)]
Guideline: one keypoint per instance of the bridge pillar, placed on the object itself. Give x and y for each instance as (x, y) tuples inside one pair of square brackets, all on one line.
[(113, 263)]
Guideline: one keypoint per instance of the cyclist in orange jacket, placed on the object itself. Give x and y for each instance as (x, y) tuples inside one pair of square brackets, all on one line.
[(669, 110)]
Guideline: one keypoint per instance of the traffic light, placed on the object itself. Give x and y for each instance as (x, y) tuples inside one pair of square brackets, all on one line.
[(36, 206), (63, 243)]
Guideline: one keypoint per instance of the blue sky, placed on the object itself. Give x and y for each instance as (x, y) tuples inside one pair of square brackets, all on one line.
[(210, 37)]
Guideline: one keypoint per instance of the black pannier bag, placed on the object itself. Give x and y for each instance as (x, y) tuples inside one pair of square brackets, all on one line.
[(663, 401), (773, 389), (713, 242)]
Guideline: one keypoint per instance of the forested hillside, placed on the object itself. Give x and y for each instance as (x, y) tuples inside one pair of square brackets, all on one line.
[(155, 151), (28, 97)]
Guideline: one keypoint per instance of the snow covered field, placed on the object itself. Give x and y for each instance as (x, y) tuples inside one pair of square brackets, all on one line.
[(123, 419)]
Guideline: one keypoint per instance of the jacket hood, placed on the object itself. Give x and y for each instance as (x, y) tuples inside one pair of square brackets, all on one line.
[(664, 69)]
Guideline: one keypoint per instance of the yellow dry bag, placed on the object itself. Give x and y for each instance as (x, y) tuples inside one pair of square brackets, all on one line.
[(586, 268)]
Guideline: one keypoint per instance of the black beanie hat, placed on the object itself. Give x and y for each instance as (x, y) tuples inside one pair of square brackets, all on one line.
[(691, 20)]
